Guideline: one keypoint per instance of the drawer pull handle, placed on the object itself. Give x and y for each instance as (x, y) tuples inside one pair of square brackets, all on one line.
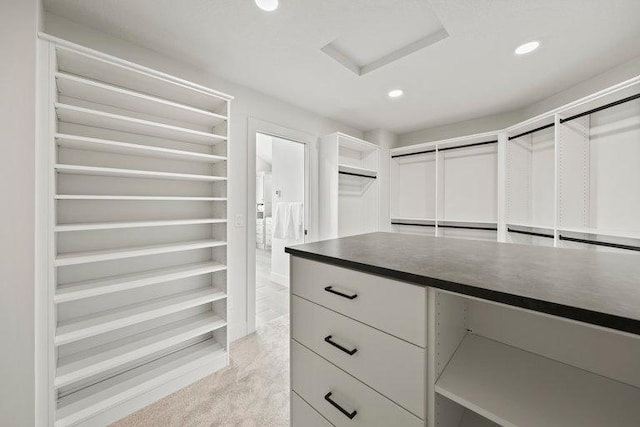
[(349, 415), (335, 344), (330, 289)]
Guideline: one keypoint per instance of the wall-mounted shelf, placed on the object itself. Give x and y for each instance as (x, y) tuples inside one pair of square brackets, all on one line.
[(100, 119), (96, 287), (103, 145), (145, 378), (101, 93), (133, 173), (130, 252), (355, 171), (138, 198), (100, 323), (513, 387), (134, 224), (74, 368)]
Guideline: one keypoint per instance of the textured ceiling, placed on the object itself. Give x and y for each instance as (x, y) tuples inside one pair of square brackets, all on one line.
[(472, 73)]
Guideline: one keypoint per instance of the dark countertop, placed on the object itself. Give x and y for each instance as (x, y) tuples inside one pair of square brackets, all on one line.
[(593, 287)]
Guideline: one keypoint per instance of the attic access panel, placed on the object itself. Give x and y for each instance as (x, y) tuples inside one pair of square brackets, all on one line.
[(386, 31)]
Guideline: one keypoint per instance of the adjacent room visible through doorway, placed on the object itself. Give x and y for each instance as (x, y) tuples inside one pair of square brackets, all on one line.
[(279, 216)]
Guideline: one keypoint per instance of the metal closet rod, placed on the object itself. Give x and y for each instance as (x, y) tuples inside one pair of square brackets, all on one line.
[(550, 125), (357, 174), (599, 243), (466, 227), (604, 107), (475, 144), (530, 233)]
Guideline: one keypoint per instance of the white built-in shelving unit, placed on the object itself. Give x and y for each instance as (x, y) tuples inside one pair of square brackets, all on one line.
[(136, 235), (446, 188), (565, 178), (349, 193)]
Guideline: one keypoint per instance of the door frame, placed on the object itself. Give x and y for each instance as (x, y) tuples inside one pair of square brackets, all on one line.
[(310, 197)]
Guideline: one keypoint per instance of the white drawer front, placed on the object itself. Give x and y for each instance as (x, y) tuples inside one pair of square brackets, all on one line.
[(389, 365), (303, 415), (394, 307), (313, 378)]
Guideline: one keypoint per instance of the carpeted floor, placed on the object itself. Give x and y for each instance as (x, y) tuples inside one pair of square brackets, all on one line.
[(252, 391)]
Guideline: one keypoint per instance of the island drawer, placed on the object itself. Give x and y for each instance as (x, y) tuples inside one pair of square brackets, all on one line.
[(394, 367), (303, 415), (391, 306), (340, 398)]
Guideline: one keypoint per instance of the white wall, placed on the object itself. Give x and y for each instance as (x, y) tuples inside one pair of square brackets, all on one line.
[(288, 178), (616, 75), (18, 26), (248, 103), (385, 140)]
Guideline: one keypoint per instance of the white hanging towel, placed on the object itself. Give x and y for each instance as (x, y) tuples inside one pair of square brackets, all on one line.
[(280, 220), (296, 221)]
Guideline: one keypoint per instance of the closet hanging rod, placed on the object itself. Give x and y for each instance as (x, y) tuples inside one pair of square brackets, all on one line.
[(357, 174), (604, 107), (409, 223), (468, 227), (413, 154), (530, 233), (599, 243), (550, 125), (475, 144)]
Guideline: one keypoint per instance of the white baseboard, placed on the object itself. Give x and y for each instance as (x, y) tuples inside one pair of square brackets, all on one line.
[(280, 279)]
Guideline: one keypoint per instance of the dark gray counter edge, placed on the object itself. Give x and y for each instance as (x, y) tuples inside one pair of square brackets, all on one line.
[(587, 316)]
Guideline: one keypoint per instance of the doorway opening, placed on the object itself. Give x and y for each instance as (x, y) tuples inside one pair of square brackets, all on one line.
[(280, 220)]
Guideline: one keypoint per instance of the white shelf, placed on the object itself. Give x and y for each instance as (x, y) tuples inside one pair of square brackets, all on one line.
[(122, 253), (138, 198), (103, 358), (98, 66), (356, 170), (513, 387), (100, 119), (102, 396), (103, 145), (134, 224), (111, 320), (101, 93), (91, 288), (133, 173)]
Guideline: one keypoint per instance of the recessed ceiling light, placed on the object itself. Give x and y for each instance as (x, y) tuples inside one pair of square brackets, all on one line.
[(268, 5), (396, 93), (527, 47)]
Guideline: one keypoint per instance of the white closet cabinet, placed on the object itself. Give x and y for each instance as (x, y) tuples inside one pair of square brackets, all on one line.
[(137, 233), (566, 178), (349, 198)]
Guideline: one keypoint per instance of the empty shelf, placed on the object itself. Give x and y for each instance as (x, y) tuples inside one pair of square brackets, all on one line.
[(101, 93), (103, 358), (603, 233), (117, 147), (90, 401), (91, 288), (134, 224), (139, 198), (121, 253), (88, 326), (100, 119), (513, 387), (356, 171), (133, 173)]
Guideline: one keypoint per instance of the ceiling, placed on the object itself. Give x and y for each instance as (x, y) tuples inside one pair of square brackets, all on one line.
[(470, 73)]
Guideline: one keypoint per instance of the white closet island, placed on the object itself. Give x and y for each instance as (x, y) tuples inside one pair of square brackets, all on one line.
[(136, 233), (392, 329)]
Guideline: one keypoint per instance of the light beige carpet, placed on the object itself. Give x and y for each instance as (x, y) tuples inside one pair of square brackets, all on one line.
[(252, 391)]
